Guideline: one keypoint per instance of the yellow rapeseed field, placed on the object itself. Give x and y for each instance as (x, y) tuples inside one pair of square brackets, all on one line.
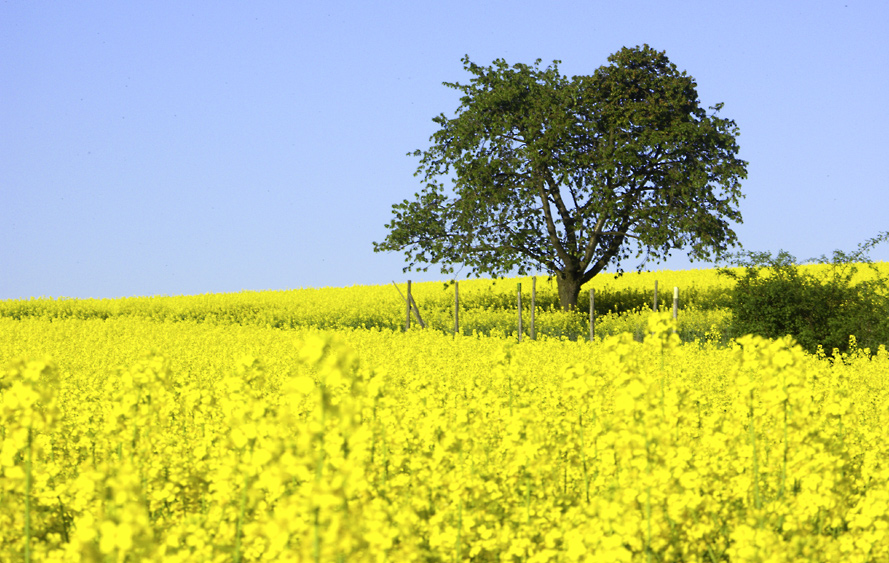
[(231, 428)]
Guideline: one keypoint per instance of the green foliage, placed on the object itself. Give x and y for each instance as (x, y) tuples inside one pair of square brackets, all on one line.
[(568, 175), (774, 298)]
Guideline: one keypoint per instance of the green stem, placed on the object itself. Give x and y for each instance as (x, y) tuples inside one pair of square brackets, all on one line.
[(784, 465), (373, 442), (316, 539), (528, 498), (586, 479), (385, 461), (458, 546), (648, 496), (757, 502), (319, 466), (28, 500), (648, 551), (241, 514)]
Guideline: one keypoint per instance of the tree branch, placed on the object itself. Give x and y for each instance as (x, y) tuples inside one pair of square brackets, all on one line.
[(567, 219), (550, 224)]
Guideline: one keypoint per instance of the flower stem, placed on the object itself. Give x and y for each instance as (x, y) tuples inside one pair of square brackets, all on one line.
[(241, 521), (28, 500)]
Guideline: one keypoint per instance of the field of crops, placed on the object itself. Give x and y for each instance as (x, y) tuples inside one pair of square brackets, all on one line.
[(306, 426), (485, 306)]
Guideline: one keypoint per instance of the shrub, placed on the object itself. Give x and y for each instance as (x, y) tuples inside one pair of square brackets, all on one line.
[(773, 297)]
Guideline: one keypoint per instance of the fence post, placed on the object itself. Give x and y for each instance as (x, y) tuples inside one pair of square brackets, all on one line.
[(592, 315), (407, 322), (456, 307), (654, 306), (520, 312), (533, 306), (411, 304), (675, 305)]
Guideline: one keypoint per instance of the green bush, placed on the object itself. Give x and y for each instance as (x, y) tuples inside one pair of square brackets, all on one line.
[(773, 298)]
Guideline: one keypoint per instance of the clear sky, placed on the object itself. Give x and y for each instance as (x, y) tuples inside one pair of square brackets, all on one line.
[(167, 148)]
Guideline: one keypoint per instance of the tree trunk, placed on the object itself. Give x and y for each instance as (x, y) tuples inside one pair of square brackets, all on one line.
[(569, 289)]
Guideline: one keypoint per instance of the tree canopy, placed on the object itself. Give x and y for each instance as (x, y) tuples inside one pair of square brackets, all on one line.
[(539, 172)]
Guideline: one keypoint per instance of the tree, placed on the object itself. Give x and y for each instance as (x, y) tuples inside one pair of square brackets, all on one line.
[(569, 175)]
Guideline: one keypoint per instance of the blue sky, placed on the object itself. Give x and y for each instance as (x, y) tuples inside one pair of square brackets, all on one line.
[(170, 148)]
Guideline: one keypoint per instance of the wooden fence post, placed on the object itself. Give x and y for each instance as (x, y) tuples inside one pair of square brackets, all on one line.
[(456, 307), (675, 305), (654, 305), (520, 312), (417, 313), (533, 306), (407, 322), (592, 315), (411, 304)]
